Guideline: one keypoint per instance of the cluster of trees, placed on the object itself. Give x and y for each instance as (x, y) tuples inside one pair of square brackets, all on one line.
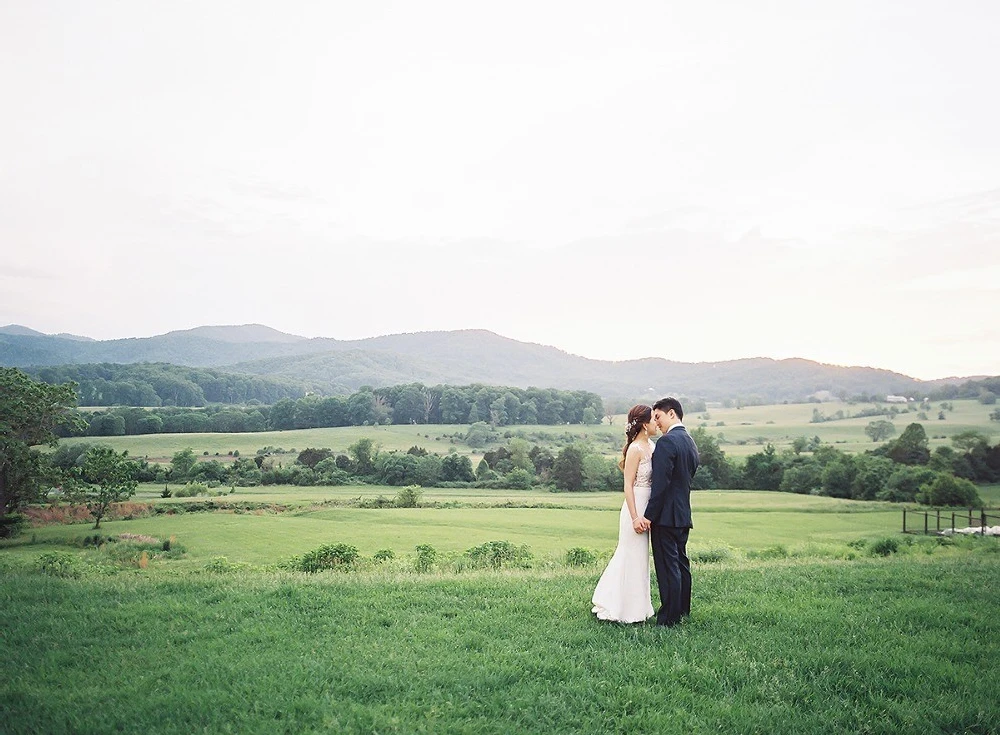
[(516, 464), (902, 470), (163, 384), (30, 414), (985, 391), (402, 404)]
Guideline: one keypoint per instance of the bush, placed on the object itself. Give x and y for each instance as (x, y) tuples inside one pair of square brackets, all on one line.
[(383, 555), (408, 497), (499, 554), (950, 491), (328, 556), (711, 556), (771, 552), (519, 479), (165, 492), (884, 547), (59, 564), (580, 557), (426, 556), (191, 490), (12, 525)]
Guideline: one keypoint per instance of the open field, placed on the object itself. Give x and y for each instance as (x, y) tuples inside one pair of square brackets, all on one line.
[(870, 646), (796, 627), (743, 431)]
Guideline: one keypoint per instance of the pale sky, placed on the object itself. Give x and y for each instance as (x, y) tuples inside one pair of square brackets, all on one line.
[(698, 181)]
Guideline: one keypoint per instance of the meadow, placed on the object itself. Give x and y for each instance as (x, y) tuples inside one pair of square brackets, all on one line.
[(810, 614), (741, 431)]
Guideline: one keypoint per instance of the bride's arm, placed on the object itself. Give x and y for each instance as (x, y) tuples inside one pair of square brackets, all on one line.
[(632, 457)]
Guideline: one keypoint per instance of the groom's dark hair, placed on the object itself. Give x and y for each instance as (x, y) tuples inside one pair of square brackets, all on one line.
[(665, 404)]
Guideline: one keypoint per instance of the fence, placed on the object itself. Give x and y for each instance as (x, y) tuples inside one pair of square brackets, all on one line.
[(976, 519)]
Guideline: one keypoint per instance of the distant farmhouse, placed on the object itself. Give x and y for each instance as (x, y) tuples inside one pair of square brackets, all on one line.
[(896, 399)]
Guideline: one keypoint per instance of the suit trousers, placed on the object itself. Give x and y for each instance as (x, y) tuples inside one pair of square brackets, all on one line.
[(673, 572)]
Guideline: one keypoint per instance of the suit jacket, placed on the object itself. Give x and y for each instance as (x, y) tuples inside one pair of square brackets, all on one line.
[(675, 460)]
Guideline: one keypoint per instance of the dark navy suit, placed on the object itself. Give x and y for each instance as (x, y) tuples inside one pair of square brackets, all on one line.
[(675, 460)]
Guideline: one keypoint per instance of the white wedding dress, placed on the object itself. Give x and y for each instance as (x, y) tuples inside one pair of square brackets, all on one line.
[(622, 594)]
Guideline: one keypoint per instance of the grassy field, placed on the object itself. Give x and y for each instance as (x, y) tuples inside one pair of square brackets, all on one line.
[(895, 645), (797, 625), (742, 432)]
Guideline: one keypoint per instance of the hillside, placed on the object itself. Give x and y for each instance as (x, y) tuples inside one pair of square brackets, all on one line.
[(456, 357)]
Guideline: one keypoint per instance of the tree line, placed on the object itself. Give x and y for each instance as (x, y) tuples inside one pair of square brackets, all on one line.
[(163, 384), (902, 470), (403, 404)]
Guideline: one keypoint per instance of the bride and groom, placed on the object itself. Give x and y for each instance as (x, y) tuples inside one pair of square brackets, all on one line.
[(657, 509)]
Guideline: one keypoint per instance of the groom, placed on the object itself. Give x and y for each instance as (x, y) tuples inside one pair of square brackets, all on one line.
[(668, 513)]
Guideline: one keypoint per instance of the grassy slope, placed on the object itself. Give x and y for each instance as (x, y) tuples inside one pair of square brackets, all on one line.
[(870, 646)]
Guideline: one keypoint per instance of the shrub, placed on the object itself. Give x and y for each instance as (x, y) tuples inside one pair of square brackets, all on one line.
[(426, 556), (328, 556), (191, 489), (12, 525), (221, 565), (408, 497), (383, 555), (711, 556), (884, 547), (771, 552), (59, 564), (949, 490), (519, 479), (499, 554), (165, 492), (580, 557)]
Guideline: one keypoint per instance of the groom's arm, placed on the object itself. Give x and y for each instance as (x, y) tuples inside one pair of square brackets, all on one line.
[(663, 468)]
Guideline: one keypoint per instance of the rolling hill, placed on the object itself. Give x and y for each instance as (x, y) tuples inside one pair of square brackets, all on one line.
[(456, 357)]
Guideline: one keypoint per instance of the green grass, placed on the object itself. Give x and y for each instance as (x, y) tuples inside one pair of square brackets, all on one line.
[(868, 646), (745, 431), (741, 520)]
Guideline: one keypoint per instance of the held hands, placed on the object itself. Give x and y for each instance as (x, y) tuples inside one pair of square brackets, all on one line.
[(640, 525)]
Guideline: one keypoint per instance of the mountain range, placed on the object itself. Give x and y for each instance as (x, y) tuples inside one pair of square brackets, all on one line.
[(459, 357)]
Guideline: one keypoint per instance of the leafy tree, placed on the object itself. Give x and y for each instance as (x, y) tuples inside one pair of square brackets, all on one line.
[(801, 477), (600, 473), (951, 491), (912, 446), (763, 470), (483, 471), (30, 414), (363, 452), (428, 470), (880, 430), (712, 459), (478, 435), (542, 459), (872, 476), (107, 477), (457, 468), (312, 457), (987, 397), (396, 468), (567, 470), (838, 476), (904, 484), (182, 463)]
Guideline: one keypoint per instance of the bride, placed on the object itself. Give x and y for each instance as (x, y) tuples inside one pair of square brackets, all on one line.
[(622, 594)]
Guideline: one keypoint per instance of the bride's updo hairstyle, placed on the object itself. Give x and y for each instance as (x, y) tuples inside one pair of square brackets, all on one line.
[(638, 417)]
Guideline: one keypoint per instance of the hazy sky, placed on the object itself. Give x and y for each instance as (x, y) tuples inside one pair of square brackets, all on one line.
[(688, 180)]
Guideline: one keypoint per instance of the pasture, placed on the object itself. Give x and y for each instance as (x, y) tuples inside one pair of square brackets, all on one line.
[(797, 626), (740, 431), (800, 623)]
